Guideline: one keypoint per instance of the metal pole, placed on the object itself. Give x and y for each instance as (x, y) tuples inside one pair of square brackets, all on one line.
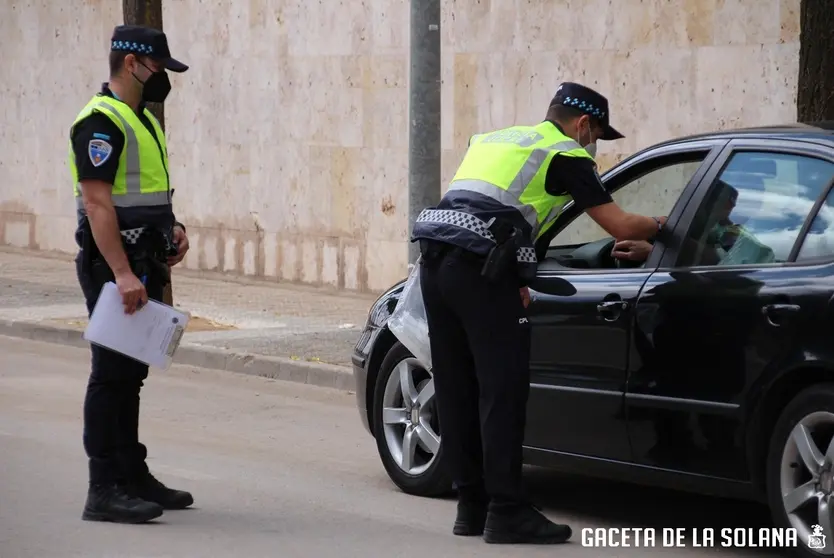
[(424, 152), (149, 12), (146, 12)]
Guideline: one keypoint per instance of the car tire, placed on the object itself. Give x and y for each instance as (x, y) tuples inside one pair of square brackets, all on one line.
[(810, 415), (423, 473)]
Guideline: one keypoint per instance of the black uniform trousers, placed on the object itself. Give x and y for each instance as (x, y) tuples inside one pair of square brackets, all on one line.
[(480, 344), (111, 405)]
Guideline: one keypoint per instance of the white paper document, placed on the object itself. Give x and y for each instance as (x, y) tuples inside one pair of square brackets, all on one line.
[(151, 335)]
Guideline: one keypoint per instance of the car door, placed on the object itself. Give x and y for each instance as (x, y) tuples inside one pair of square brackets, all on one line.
[(581, 318), (721, 308)]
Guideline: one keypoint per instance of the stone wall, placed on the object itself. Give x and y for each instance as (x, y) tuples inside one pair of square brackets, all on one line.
[(289, 135)]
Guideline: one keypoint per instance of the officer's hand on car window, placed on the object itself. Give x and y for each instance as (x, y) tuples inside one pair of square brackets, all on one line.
[(132, 290), (634, 250), (181, 239), (525, 296)]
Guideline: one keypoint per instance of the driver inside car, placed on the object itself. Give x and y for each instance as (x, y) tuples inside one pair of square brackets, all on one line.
[(725, 243)]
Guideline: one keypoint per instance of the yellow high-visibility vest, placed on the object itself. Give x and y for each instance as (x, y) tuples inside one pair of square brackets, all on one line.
[(142, 178), (510, 166)]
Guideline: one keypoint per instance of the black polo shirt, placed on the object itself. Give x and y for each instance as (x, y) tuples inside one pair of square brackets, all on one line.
[(576, 177), (99, 126)]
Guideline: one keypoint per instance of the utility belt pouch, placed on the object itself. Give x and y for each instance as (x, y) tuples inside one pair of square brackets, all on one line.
[(148, 268), (159, 270), (501, 260), (148, 257)]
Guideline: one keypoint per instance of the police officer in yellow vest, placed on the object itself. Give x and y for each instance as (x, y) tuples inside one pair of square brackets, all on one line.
[(478, 249), (127, 233)]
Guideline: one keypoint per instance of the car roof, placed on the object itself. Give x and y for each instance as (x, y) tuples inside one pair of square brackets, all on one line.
[(817, 132)]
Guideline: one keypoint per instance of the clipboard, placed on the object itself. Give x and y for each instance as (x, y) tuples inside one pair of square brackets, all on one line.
[(151, 335)]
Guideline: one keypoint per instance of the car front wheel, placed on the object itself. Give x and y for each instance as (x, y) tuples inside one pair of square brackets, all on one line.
[(800, 470), (407, 426)]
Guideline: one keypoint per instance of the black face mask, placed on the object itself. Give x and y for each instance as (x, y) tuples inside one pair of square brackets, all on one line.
[(156, 88)]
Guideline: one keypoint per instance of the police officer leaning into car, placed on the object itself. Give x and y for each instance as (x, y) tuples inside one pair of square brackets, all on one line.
[(128, 234), (478, 256)]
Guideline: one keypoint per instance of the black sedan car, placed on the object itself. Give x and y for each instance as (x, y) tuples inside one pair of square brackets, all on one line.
[(708, 366)]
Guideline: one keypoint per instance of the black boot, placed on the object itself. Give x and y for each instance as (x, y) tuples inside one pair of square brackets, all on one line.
[(111, 503), (150, 489), (522, 524), (473, 502), (471, 518)]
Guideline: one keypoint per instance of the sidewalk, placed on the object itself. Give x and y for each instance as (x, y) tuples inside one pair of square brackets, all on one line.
[(276, 330)]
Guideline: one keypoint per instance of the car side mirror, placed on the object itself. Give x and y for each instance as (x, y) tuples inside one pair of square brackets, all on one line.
[(554, 286)]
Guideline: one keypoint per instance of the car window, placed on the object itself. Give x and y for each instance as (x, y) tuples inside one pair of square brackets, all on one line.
[(755, 210), (819, 241), (654, 194)]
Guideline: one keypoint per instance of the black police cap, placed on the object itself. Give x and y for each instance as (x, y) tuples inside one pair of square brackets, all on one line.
[(588, 101), (145, 41)]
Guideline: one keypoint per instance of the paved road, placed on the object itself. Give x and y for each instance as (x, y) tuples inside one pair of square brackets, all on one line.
[(277, 469)]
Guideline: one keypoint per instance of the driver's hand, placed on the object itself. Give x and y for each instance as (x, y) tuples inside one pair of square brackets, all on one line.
[(634, 250)]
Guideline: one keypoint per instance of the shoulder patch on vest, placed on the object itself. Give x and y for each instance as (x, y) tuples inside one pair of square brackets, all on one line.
[(99, 151)]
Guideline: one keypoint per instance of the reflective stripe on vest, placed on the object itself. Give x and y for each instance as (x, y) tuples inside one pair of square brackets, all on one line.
[(132, 194), (539, 209), (473, 224)]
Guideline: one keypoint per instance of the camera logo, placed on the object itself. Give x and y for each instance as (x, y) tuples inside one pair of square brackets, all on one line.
[(816, 540)]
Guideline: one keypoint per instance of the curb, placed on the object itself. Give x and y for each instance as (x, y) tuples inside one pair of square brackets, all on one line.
[(189, 354)]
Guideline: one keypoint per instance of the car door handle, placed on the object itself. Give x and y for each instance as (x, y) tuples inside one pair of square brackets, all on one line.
[(780, 309), (612, 305), (772, 312)]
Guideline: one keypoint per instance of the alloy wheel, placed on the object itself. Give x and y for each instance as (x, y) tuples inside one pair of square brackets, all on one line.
[(409, 417), (807, 480)]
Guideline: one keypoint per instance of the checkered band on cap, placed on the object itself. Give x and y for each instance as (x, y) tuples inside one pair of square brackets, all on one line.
[(130, 46), (583, 106)]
